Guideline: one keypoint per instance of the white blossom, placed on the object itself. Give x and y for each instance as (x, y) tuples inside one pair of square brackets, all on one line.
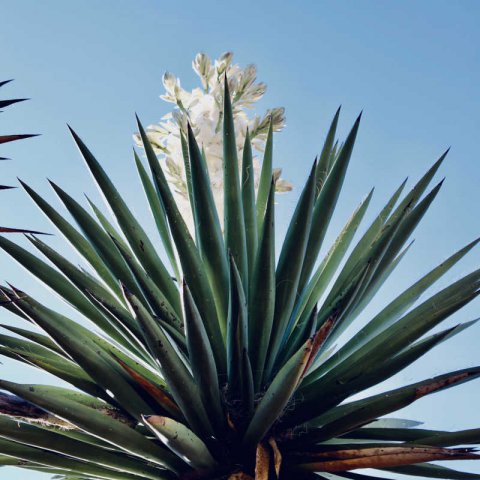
[(203, 109)]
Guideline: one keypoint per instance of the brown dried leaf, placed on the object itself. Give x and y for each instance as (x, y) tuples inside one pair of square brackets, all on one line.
[(156, 392), (318, 340), (262, 462), (433, 386), (21, 230), (343, 460), (240, 476), (277, 455), (12, 138)]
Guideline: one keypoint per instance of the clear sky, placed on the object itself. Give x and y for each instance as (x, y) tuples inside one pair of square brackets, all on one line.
[(412, 66)]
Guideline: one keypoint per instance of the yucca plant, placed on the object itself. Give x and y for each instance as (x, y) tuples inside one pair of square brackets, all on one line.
[(11, 138), (223, 365), (7, 103)]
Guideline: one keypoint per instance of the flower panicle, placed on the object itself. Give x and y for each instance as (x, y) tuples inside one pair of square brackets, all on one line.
[(202, 109)]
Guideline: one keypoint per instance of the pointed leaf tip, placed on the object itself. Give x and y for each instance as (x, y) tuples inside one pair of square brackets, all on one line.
[(124, 289), (4, 82)]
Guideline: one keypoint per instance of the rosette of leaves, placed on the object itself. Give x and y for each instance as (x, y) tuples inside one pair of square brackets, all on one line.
[(223, 365)]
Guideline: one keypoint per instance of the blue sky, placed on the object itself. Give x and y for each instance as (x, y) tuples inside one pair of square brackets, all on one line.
[(412, 66)]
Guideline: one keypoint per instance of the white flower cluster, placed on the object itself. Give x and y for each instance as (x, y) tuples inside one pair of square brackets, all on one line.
[(203, 109)]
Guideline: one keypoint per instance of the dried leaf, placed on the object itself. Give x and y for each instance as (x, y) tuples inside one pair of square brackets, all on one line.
[(262, 462), (277, 455), (12, 138), (343, 460)]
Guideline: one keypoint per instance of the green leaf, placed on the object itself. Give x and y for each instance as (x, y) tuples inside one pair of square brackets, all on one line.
[(389, 259), (289, 268), (433, 471), (325, 204), (331, 312), (391, 422), (100, 240), (372, 258), (35, 337), (44, 457), (82, 399), (262, 294), (60, 284), (397, 307), (209, 233), (379, 227), (265, 179), (352, 476), (371, 234), (182, 441), (329, 316), (248, 388), (248, 200), (154, 295), (158, 212), (446, 439), (376, 282), (323, 166), (88, 285), (374, 375), (234, 222), (106, 224), (77, 434), (179, 380), (8, 304), (84, 348), (393, 434), (202, 362), (346, 417), (326, 270), (96, 423), (121, 315), (237, 333), (50, 362), (277, 396), (417, 191), (388, 343), (7, 461), (79, 242), (186, 163), (302, 332), (136, 236), (54, 442), (192, 265)]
